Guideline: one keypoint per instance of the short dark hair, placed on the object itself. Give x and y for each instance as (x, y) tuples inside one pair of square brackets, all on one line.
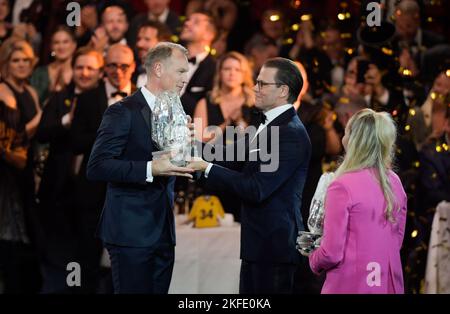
[(164, 33), (287, 74)]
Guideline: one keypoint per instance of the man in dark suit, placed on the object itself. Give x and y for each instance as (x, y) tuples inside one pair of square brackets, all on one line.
[(198, 34), (271, 198), (56, 189), (89, 196), (137, 222)]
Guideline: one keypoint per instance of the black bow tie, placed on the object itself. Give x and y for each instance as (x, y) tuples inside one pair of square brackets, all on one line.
[(119, 93), (259, 117), (192, 60)]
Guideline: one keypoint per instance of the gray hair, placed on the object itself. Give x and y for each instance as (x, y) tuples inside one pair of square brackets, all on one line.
[(161, 52)]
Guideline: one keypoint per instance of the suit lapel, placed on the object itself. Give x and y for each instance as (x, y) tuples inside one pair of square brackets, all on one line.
[(145, 112), (145, 108), (197, 72), (282, 119), (265, 134)]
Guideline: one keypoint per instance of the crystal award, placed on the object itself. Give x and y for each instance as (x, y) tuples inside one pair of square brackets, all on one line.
[(169, 128), (308, 241)]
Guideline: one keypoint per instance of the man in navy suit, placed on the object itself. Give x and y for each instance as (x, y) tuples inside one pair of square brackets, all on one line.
[(271, 196), (137, 222)]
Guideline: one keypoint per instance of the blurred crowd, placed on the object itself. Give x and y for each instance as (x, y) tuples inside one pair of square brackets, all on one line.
[(57, 80)]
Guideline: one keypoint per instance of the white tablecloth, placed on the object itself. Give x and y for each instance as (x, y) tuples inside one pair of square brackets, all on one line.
[(206, 260)]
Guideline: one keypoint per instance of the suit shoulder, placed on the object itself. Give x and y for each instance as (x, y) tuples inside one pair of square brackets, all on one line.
[(295, 127), (134, 101)]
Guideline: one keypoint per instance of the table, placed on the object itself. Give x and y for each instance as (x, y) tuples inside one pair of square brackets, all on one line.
[(206, 260)]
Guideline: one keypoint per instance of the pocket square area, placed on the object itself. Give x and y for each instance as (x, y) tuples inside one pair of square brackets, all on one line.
[(197, 89)]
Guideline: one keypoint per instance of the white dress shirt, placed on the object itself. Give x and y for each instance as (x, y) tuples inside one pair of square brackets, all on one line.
[(111, 89), (150, 99), (141, 80), (271, 115)]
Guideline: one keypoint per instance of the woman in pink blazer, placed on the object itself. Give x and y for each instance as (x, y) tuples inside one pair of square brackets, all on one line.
[(365, 213)]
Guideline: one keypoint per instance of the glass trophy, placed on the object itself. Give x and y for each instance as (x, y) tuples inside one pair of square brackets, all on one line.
[(307, 241), (169, 128)]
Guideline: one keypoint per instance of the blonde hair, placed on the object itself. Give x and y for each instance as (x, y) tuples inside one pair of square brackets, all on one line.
[(10, 46), (247, 82), (371, 144)]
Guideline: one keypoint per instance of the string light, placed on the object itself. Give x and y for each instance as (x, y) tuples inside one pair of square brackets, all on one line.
[(416, 164), (407, 72), (407, 128), (341, 16), (387, 51), (447, 73), (412, 112), (295, 27), (346, 35), (414, 233), (274, 18), (438, 148), (305, 17)]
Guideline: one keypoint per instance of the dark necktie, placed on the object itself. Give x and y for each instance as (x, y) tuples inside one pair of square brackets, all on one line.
[(192, 60), (259, 117), (119, 93)]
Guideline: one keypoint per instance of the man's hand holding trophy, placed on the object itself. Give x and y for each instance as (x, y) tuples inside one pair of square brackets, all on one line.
[(172, 132)]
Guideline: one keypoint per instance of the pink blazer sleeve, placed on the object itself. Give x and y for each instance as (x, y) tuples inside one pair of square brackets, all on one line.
[(401, 219), (331, 250)]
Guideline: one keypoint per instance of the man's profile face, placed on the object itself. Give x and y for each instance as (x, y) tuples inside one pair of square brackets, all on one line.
[(174, 72), (266, 92)]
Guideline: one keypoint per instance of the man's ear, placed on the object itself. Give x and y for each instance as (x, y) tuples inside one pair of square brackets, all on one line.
[(158, 69), (284, 91)]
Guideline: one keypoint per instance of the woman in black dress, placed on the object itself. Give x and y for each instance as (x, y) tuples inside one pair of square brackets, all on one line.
[(19, 118), (231, 99)]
